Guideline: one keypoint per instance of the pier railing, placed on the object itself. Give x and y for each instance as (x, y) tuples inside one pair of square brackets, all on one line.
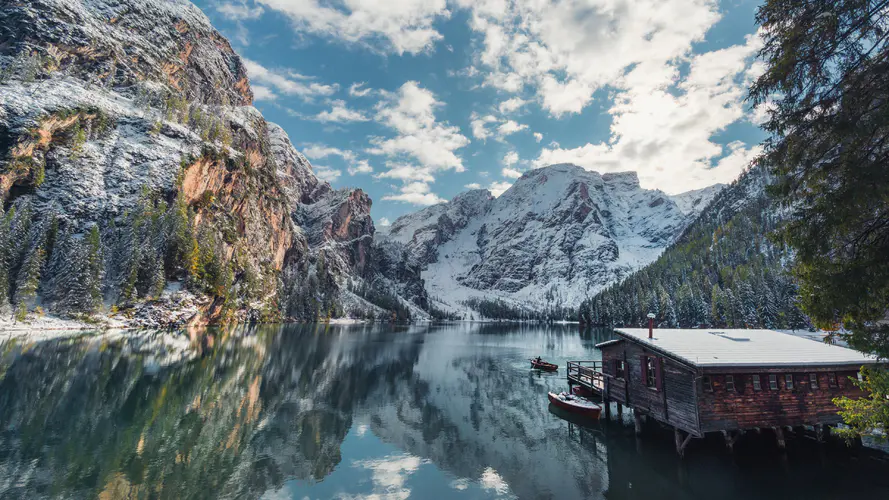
[(587, 374)]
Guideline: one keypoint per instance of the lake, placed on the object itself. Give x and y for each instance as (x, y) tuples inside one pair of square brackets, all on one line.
[(362, 412)]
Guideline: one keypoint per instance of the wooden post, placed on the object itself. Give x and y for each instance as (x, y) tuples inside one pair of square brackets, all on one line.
[(819, 432), (680, 442), (779, 433), (637, 417), (620, 411)]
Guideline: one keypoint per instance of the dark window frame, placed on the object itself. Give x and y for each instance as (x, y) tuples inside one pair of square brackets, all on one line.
[(788, 381), (730, 383), (757, 382), (773, 382), (651, 372), (813, 381), (707, 383), (620, 369), (832, 380)]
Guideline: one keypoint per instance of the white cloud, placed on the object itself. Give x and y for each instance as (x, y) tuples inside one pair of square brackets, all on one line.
[(538, 136), (474, 185), (511, 158), (326, 173), (511, 173), (510, 127), (263, 93), (480, 124), (421, 147), (416, 193), (498, 188), (510, 105), (357, 90), (320, 151), (402, 25), (360, 167), (665, 131), (340, 113), (568, 49), (239, 11), (288, 83), (384, 222)]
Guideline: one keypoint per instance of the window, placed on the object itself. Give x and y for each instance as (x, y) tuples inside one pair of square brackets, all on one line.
[(708, 384), (832, 379), (730, 383), (757, 383), (619, 369), (773, 382), (813, 381), (651, 372), (788, 381)]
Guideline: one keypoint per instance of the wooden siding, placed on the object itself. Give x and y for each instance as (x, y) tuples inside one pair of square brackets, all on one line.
[(746, 408), (674, 402)]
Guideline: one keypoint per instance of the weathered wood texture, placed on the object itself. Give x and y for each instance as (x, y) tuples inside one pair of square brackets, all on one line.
[(673, 399), (747, 408)]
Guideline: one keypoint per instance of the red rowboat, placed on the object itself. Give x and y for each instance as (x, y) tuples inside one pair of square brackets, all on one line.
[(543, 365), (579, 390), (574, 404)]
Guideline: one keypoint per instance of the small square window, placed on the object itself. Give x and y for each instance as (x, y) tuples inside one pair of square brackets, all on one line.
[(813, 381), (730, 383), (650, 372), (619, 369), (832, 379), (773, 382), (757, 383), (708, 384), (788, 381)]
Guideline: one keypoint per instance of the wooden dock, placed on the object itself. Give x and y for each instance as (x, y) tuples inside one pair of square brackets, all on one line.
[(587, 374)]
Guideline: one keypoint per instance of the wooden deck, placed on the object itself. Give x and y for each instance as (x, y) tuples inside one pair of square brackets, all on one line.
[(587, 374)]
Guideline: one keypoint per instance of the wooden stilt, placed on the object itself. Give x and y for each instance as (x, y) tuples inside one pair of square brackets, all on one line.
[(620, 411), (680, 442), (819, 432), (779, 433), (637, 417), (607, 406)]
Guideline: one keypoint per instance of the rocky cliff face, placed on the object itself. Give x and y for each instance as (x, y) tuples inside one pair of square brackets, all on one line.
[(133, 166), (557, 235)]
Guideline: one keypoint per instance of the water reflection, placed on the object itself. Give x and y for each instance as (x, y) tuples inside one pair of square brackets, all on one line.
[(357, 412)]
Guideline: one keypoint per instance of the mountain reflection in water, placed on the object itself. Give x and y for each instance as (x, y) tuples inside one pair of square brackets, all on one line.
[(295, 411)]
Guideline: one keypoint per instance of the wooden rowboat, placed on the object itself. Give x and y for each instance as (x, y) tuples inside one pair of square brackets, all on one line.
[(574, 404), (543, 365)]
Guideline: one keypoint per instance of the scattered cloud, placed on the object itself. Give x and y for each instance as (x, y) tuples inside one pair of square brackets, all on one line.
[(320, 152), (538, 136), (511, 173), (384, 222), (358, 90), (340, 113), (511, 158), (403, 26), (285, 82), (511, 105), (498, 188), (239, 11), (480, 124), (263, 93), (416, 193), (474, 185), (510, 127), (326, 173), (360, 167), (665, 131), (421, 146)]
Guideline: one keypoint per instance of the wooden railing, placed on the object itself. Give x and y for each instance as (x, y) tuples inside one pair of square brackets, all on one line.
[(588, 374)]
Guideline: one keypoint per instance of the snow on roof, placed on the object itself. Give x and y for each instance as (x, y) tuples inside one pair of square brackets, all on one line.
[(706, 348)]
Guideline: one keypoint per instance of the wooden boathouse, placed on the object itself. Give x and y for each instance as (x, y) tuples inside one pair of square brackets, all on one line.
[(728, 381)]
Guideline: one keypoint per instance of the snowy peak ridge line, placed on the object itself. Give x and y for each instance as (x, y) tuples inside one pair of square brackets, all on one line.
[(557, 236)]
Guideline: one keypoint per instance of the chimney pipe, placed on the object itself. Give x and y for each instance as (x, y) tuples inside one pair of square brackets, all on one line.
[(650, 325)]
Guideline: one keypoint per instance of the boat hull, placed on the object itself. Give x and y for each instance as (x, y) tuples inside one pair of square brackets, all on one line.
[(547, 367), (591, 410)]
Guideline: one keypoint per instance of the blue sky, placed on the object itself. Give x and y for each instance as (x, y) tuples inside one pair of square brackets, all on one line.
[(415, 101)]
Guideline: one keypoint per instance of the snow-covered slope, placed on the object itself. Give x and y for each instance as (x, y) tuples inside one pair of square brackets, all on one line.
[(558, 235), (693, 202)]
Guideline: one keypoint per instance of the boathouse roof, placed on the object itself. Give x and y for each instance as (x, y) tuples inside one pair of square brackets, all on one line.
[(715, 347)]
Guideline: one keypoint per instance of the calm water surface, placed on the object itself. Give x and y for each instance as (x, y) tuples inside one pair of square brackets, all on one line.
[(362, 412)]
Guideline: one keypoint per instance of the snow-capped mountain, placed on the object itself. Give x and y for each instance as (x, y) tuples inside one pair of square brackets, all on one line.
[(133, 165), (557, 236), (693, 202)]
